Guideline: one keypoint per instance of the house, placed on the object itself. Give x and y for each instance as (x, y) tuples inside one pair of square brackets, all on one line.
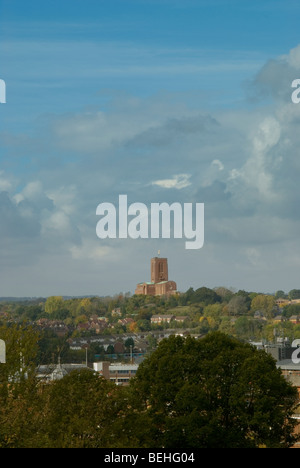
[(279, 319), (57, 326), (295, 319), (181, 318), (158, 319), (97, 324), (126, 321), (94, 324), (281, 302), (116, 312)]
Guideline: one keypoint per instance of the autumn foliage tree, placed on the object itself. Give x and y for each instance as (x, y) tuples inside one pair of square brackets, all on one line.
[(265, 303)]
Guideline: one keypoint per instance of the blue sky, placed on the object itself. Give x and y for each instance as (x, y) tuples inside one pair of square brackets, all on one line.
[(125, 96)]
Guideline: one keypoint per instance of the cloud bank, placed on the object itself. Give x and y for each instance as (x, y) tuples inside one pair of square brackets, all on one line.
[(242, 163)]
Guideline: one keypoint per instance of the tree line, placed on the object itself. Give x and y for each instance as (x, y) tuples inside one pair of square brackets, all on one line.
[(245, 315), (214, 392)]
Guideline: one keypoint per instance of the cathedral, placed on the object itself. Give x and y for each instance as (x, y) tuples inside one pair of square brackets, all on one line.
[(159, 284)]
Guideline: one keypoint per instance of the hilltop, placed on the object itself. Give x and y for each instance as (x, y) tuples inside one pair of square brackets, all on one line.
[(63, 321)]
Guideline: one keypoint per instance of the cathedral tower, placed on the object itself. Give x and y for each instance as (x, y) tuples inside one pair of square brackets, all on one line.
[(160, 284), (159, 269)]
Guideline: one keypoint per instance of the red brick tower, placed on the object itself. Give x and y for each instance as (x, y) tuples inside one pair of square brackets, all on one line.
[(160, 284), (159, 269)]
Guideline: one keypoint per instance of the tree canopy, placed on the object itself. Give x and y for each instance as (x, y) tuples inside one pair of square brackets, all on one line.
[(215, 392)]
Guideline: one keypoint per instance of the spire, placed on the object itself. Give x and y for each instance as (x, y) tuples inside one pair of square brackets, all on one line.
[(59, 372)]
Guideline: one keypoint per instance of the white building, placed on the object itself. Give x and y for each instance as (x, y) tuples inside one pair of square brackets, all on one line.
[(118, 373)]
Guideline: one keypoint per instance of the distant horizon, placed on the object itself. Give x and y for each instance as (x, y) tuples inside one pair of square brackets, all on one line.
[(66, 297)]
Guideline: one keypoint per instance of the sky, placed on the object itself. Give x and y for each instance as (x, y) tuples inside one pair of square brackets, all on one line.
[(164, 101)]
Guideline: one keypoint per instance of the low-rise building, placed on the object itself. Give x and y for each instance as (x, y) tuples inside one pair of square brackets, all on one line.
[(50, 372), (158, 319), (118, 373), (295, 319), (116, 312), (181, 318), (126, 321), (279, 319)]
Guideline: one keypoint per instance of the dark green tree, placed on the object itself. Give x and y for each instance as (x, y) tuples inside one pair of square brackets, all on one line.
[(205, 295), (280, 294), (294, 294), (81, 409), (216, 392), (129, 343)]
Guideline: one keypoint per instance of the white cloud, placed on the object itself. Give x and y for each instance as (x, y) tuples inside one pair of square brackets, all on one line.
[(218, 164), (91, 251), (257, 172), (57, 221), (293, 58), (64, 197), (178, 182), (267, 136), (5, 184)]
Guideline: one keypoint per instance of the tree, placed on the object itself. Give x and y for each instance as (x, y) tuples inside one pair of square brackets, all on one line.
[(216, 392), (292, 309), (31, 312), (110, 349), (144, 325), (264, 303), (213, 310), (86, 305), (294, 294), (205, 295), (54, 304), (224, 293), (237, 305), (280, 294), (248, 327), (201, 295), (80, 410), (132, 327), (129, 343)]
